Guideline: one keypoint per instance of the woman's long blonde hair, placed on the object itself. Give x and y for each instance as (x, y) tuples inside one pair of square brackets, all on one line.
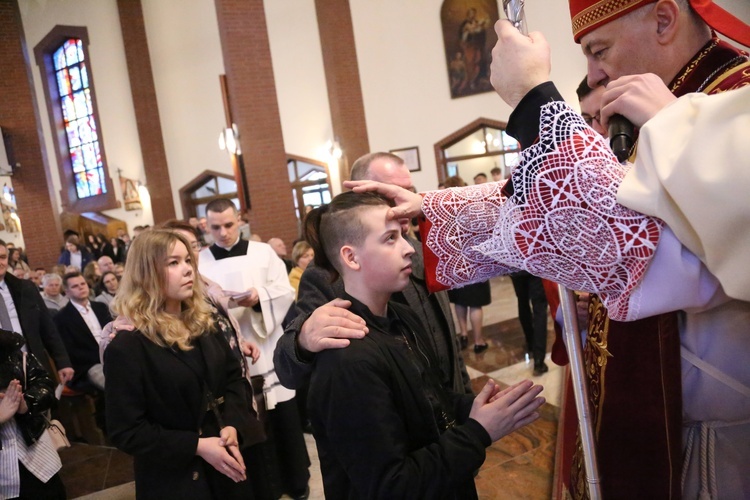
[(141, 296)]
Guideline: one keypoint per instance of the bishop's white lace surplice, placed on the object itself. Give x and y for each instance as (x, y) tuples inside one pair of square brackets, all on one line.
[(562, 221)]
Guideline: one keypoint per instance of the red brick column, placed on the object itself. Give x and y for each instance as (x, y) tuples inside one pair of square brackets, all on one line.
[(18, 116), (146, 109), (255, 110), (342, 80)]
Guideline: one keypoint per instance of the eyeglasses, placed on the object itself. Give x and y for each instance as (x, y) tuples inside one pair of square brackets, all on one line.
[(195, 245), (590, 119)]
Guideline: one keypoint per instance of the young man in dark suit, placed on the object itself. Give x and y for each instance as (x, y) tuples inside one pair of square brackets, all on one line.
[(80, 325), (22, 310)]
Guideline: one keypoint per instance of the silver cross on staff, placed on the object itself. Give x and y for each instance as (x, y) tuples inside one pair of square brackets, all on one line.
[(514, 11)]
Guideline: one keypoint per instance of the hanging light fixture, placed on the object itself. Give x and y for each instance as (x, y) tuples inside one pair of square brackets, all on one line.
[(229, 140)]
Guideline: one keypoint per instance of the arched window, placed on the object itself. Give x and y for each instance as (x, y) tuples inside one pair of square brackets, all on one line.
[(71, 101), (311, 186), (208, 186), (74, 97), (477, 148)]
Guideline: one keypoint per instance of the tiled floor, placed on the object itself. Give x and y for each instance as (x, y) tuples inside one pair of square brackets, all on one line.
[(518, 466)]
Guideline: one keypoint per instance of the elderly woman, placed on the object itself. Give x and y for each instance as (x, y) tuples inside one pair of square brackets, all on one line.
[(176, 397), (52, 292), (302, 255)]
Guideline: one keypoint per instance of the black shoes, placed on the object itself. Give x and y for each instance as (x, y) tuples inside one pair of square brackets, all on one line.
[(463, 341), (540, 368), (479, 348)]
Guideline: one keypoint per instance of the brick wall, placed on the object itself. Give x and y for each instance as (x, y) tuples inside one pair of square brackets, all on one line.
[(254, 108), (18, 116), (342, 79), (146, 109)]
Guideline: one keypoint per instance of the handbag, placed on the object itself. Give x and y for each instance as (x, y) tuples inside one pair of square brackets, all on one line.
[(55, 429), (57, 435)]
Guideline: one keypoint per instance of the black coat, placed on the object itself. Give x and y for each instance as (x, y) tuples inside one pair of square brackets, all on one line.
[(80, 343), (37, 385), (121, 251), (377, 433), (156, 405), (39, 330), (433, 311)]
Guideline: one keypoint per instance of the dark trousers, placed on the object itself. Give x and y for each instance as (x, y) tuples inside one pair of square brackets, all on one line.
[(280, 464), (33, 489), (532, 313)]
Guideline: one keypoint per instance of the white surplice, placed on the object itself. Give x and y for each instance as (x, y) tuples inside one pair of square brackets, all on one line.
[(261, 269)]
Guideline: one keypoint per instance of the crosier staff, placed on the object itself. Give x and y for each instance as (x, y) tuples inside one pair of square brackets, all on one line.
[(514, 10)]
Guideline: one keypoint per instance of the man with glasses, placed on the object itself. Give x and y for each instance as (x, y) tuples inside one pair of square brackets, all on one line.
[(590, 101)]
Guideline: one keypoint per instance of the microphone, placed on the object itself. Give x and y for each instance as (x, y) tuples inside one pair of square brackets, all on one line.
[(621, 133)]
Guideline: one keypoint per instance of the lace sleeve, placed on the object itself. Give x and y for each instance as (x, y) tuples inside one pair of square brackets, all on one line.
[(562, 222), (461, 220)]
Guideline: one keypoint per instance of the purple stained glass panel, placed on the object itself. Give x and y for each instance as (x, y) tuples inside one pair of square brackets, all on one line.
[(73, 139), (71, 51), (84, 76), (76, 159), (98, 154), (75, 78), (58, 59), (63, 82), (68, 109), (79, 98), (82, 185)]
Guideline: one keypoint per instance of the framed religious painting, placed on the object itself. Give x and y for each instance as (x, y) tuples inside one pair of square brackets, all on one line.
[(130, 194), (410, 157), (468, 36)]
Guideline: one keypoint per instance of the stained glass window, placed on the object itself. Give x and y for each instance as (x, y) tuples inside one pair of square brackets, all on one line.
[(78, 116)]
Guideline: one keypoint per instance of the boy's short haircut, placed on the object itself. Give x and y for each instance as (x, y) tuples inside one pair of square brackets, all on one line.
[(330, 227), (496, 171)]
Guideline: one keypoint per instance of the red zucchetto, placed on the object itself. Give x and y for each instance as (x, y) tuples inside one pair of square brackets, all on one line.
[(587, 15)]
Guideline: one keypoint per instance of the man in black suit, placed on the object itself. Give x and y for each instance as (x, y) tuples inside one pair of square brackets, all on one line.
[(323, 321), (22, 310), (80, 324)]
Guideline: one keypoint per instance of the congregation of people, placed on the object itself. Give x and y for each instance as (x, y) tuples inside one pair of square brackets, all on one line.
[(209, 353), (280, 289)]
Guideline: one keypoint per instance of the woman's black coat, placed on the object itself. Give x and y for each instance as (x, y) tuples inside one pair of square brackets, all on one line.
[(156, 406)]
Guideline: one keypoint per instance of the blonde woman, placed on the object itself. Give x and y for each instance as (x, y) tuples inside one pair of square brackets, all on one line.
[(176, 398), (302, 255)]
